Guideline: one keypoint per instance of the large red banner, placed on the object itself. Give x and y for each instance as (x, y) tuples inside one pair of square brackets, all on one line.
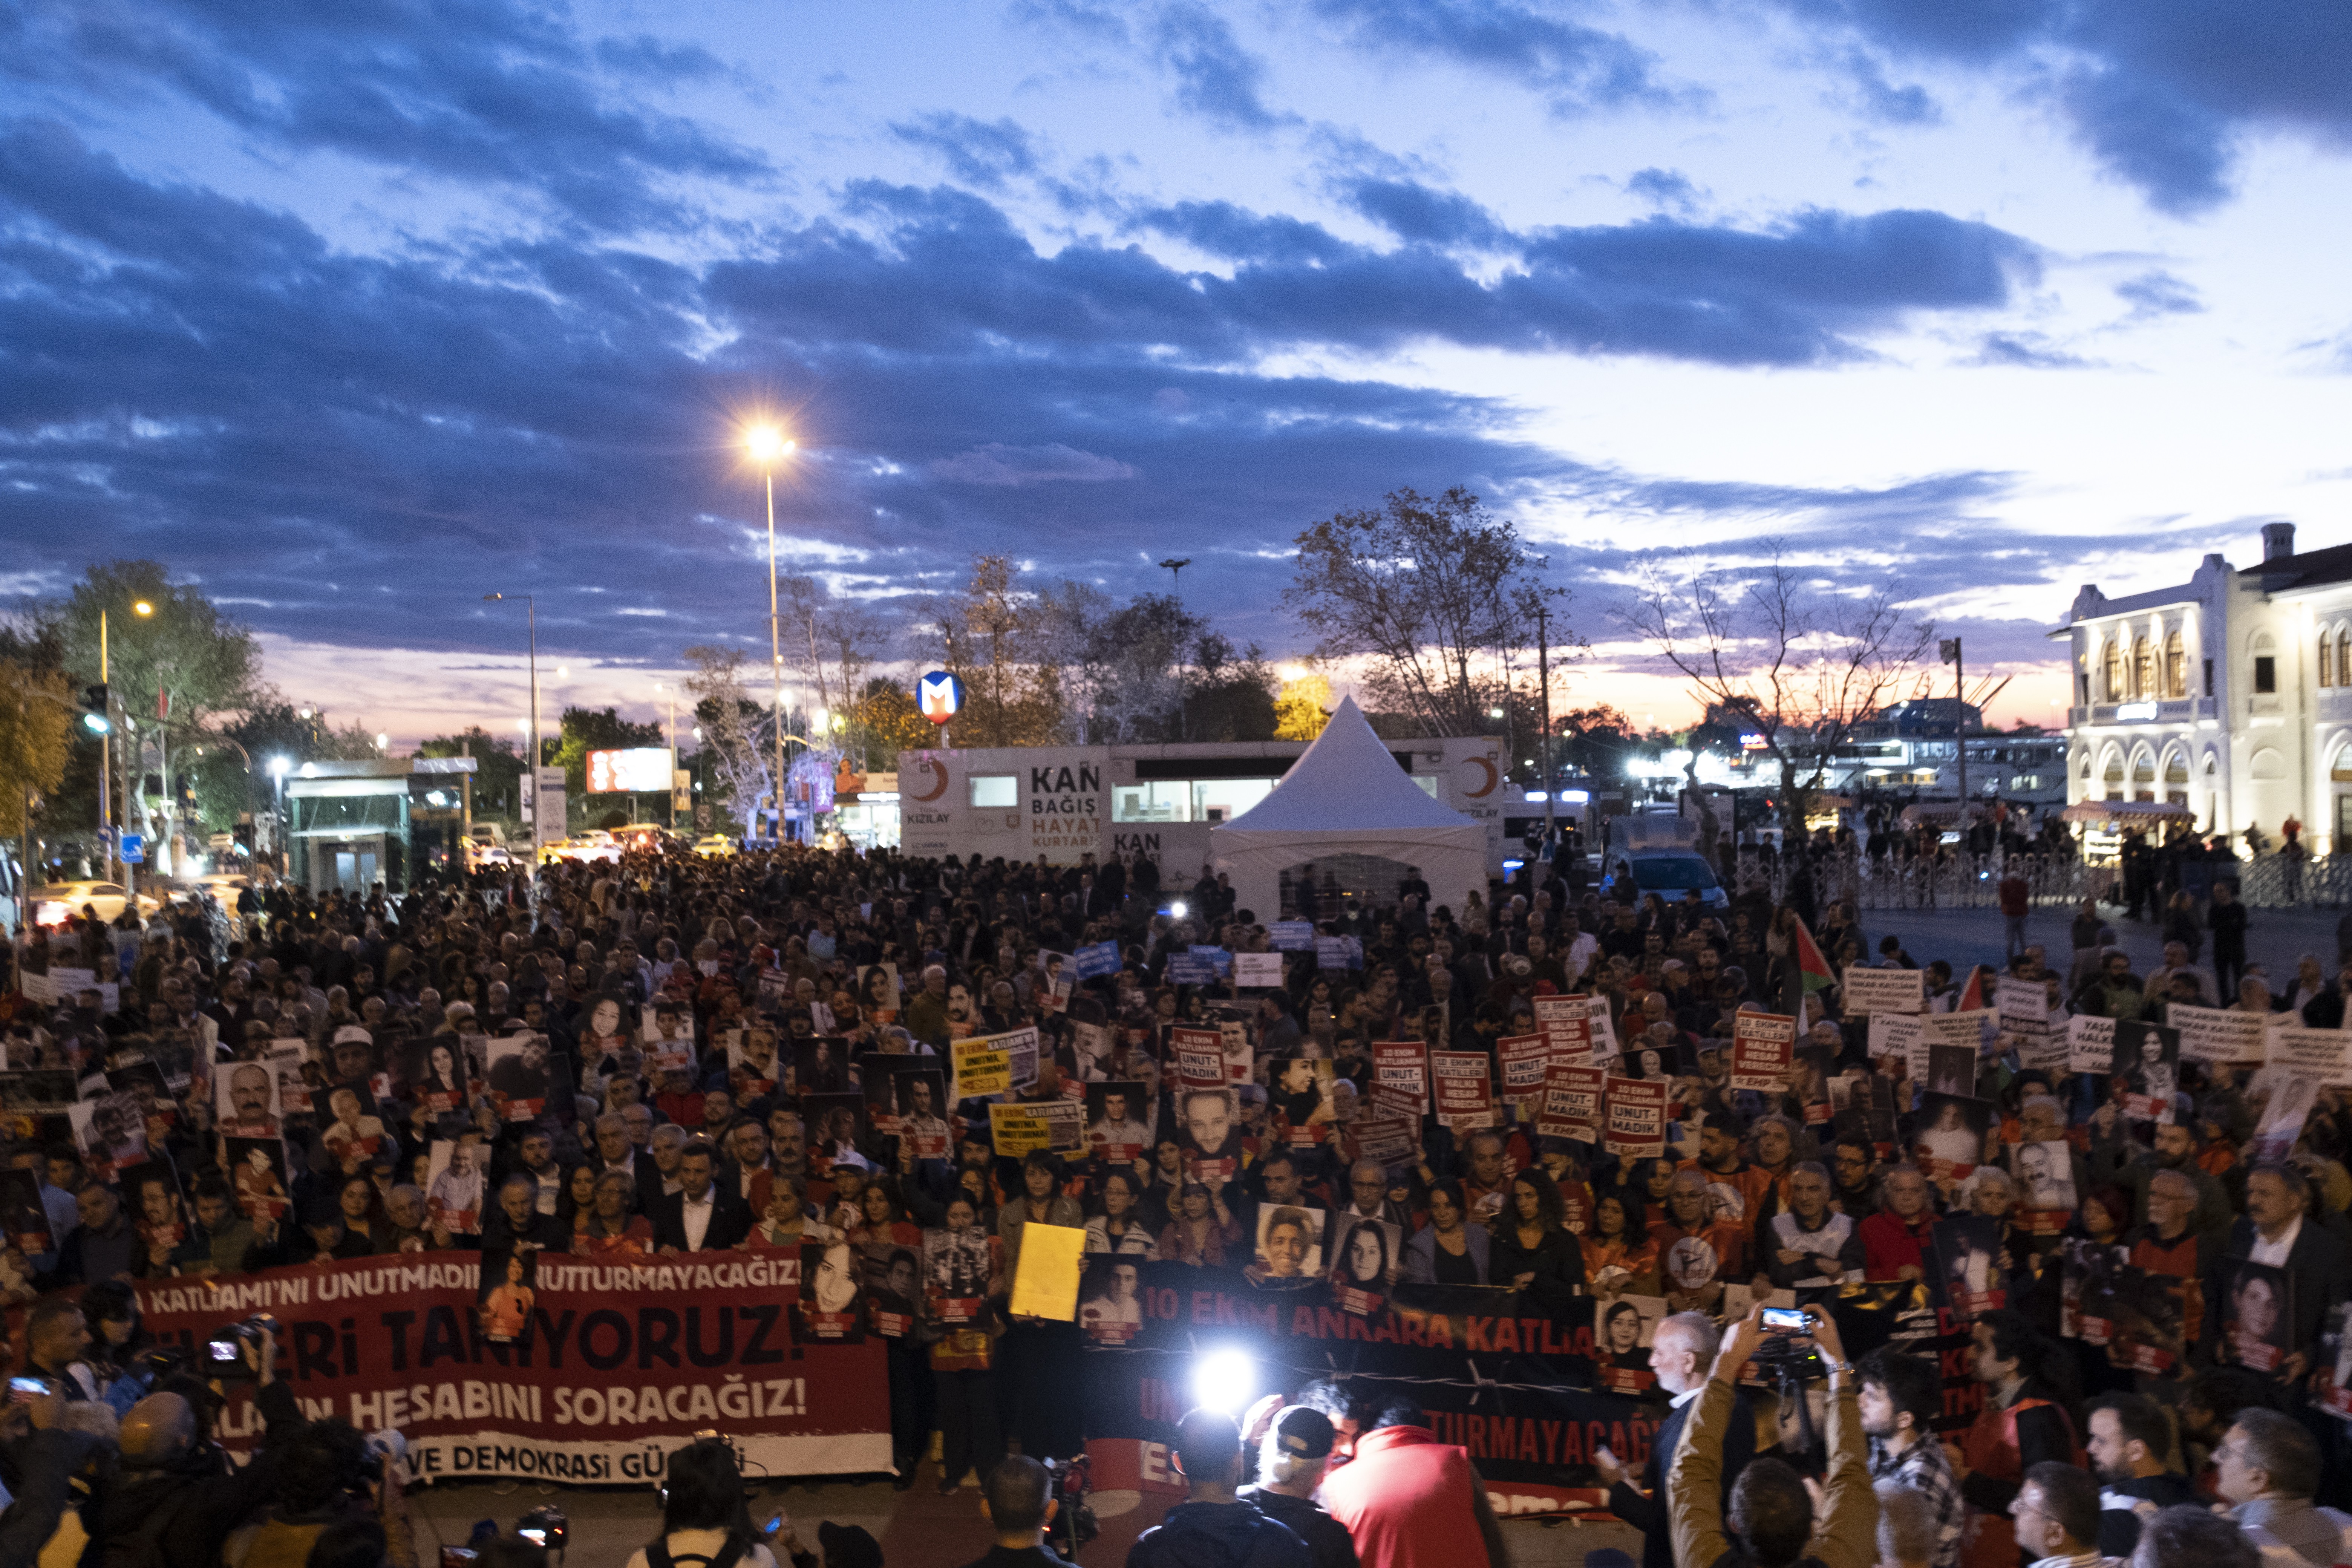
[(611, 1363)]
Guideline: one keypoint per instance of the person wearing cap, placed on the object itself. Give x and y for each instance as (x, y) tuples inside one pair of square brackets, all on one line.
[(1297, 1451), (1212, 1528)]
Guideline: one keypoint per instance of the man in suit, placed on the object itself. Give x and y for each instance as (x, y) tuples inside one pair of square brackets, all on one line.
[(1682, 1354), (2274, 1232), (615, 1153), (701, 1215)]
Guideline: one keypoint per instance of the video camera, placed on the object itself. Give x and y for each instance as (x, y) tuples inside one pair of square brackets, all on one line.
[(1787, 1354), (544, 1527), (224, 1354)]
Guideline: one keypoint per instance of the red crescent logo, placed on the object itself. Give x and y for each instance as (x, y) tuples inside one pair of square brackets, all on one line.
[(936, 772), (1493, 778)]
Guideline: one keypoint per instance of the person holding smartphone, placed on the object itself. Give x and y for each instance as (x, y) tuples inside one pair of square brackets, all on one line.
[(1770, 1521)]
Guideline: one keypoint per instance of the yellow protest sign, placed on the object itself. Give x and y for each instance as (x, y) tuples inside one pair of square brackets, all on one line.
[(1046, 1282)]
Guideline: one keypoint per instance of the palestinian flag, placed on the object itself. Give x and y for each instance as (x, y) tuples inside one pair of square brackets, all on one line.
[(1812, 966), (1972, 994), (1810, 971)]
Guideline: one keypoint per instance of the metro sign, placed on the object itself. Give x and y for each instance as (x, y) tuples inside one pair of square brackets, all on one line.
[(939, 696)]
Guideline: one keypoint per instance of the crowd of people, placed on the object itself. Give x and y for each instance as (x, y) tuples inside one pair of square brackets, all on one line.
[(676, 1054)]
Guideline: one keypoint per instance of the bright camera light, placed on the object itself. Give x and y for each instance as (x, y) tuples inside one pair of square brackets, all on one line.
[(1177, 909), (1224, 1381)]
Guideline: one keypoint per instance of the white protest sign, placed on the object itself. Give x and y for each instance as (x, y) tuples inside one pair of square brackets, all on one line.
[(1874, 992), (2322, 1055), (1260, 969), (2090, 1044), (2217, 1035), (1900, 1035)]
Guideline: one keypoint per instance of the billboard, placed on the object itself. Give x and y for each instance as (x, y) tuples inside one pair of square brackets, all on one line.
[(643, 768)]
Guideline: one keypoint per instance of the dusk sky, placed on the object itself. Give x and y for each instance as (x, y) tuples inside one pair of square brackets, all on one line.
[(354, 312)]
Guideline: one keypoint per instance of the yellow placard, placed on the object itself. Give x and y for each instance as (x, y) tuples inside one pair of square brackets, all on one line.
[(1046, 1282), (980, 1068), (1016, 1130)]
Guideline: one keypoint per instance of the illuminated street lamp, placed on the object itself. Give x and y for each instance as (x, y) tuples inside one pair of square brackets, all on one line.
[(767, 447)]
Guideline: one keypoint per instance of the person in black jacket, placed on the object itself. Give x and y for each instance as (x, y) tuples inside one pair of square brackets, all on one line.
[(2276, 1199), (1682, 1351), (1290, 1466), (2129, 1437), (516, 1225), (1212, 1528), (700, 1204), (1018, 1502), (176, 1497)]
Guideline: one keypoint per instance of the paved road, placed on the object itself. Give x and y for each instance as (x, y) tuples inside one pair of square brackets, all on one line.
[(2274, 938)]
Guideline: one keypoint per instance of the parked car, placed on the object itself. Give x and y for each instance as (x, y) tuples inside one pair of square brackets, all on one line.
[(59, 902), (715, 845), (1670, 873)]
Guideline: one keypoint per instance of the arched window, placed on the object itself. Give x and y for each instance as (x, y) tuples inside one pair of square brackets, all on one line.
[(2112, 658), (2326, 659), (2143, 668), (2343, 655), (2112, 779), (2143, 777), (2176, 778), (2175, 667)]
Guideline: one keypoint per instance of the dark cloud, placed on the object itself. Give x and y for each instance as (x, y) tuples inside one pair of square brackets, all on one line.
[(983, 152), (1878, 98), (1575, 68), (2027, 351), (1413, 212), (1670, 189), (2162, 92), (2158, 293), (471, 90), (1216, 78)]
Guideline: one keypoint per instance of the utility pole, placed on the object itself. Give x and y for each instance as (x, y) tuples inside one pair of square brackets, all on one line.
[(1951, 651), (1543, 680), (106, 756), (1175, 569)]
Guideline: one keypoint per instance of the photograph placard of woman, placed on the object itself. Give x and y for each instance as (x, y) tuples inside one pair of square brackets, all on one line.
[(1367, 1260), (506, 1311)]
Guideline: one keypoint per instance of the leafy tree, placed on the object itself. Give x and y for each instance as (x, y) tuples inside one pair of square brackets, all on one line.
[(498, 770), (38, 718), (175, 671), (585, 730), (884, 721), (1302, 708), (1436, 595)]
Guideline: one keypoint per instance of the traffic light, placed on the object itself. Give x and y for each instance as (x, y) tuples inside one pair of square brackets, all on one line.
[(94, 717)]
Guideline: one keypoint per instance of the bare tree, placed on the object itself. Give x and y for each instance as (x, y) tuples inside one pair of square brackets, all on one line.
[(1438, 593), (1790, 660), (737, 732)]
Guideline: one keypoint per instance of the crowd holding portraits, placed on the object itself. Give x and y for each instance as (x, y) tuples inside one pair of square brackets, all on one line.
[(758, 1055)]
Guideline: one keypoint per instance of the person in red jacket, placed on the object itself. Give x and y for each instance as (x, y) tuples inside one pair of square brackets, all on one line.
[(1894, 1239), (1411, 1501)]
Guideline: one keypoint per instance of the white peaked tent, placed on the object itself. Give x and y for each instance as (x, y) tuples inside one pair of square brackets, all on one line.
[(1346, 796)]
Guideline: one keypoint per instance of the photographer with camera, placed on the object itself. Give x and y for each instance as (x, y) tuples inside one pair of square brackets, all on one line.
[(336, 1489), (176, 1497), (1772, 1515), (39, 1458), (704, 1521)]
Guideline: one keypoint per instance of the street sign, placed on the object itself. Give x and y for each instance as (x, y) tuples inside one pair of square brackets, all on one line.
[(939, 695), (134, 849)]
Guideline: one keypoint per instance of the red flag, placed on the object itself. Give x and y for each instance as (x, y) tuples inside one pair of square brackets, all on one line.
[(1972, 994), (162, 705), (1810, 964)]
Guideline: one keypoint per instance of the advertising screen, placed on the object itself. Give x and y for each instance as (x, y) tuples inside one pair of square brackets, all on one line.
[(639, 768)]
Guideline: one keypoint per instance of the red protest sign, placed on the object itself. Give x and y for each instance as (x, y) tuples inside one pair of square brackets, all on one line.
[(1763, 1049), (1564, 1022), (1524, 1059), (1635, 1128), (1401, 1067), (1572, 1103), (1466, 1091), (1199, 1057), (589, 1370)]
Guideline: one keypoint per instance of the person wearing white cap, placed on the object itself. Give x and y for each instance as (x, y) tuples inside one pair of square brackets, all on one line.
[(1290, 1465)]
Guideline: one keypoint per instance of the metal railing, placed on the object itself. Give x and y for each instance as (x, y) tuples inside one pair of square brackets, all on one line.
[(1956, 881)]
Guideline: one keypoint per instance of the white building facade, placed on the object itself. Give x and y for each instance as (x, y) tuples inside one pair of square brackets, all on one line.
[(2231, 694)]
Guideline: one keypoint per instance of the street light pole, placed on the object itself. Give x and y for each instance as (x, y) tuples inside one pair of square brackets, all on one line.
[(106, 757), (1543, 679), (1174, 567), (530, 764), (766, 443)]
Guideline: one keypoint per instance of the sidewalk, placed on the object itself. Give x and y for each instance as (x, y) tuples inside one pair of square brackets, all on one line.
[(2276, 939)]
